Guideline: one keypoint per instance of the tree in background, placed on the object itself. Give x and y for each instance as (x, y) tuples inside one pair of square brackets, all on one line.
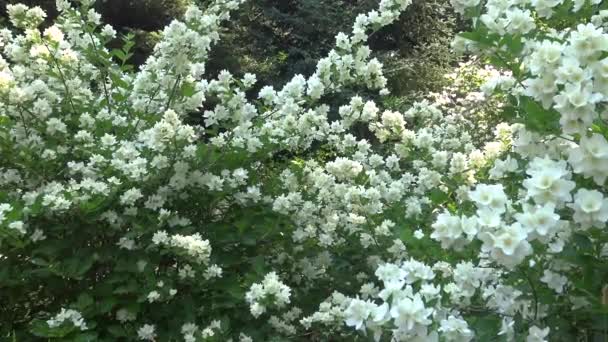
[(277, 39), (273, 218), (283, 38)]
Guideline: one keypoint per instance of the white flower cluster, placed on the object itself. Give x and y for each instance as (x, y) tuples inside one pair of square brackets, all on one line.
[(192, 331), (270, 292), (167, 131), (126, 162), (4, 208), (178, 59), (192, 245), (69, 315), (590, 158), (147, 332), (351, 192), (414, 308), (24, 17), (548, 185), (410, 305)]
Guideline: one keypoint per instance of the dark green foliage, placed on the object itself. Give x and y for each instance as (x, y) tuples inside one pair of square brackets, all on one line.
[(280, 38), (277, 39), (422, 39)]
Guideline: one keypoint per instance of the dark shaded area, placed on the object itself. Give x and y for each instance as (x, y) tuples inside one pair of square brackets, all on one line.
[(277, 39)]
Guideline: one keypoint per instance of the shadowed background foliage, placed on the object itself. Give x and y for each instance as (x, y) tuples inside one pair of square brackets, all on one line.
[(277, 39)]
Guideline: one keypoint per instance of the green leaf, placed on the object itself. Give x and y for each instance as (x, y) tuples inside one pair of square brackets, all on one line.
[(40, 328), (76, 267), (94, 205), (438, 196), (514, 44), (485, 327), (537, 118), (188, 89), (118, 81), (84, 301), (119, 54), (259, 266), (107, 305), (583, 242), (86, 337), (117, 331), (130, 287)]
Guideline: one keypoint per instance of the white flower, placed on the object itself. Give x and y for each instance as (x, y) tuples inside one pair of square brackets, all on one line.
[(130, 196), (4, 207), (126, 243), (507, 328), (245, 338), (461, 5), (508, 245), (268, 94), (540, 219), (501, 167), (389, 273), (455, 329), (357, 313), (509, 239), (147, 332), (410, 312), (123, 315), (54, 125), (108, 31), (590, 208), (214, 271), (153, 296), (430, 292), (194, 245), (54, 34), (315, 88), (344, 168), (249, 80), (68, 315), (519, 21), (536, 334), (554, 280), (449, 230), (159, 238), (18, 226), (108, 140), (257, 309), (271, 287), (590, 158), (491, 196), (548, 181)]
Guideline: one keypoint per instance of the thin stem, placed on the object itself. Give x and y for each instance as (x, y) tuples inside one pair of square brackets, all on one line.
[(510, 68), (27, 131), (173, 90), (104, 74), (534, 293), (145, 113), (61, 77), (572, 140)]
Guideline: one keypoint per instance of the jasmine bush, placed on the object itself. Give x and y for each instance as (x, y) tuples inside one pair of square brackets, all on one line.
[(479, 216)]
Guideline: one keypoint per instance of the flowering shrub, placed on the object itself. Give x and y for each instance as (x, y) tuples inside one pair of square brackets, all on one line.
[(122, 218)]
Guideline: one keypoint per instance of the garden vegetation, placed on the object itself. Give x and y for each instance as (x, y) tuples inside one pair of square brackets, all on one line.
[(159, 203)]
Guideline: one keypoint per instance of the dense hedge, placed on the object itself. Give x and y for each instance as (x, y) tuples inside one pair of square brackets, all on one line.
[(172, 201)]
